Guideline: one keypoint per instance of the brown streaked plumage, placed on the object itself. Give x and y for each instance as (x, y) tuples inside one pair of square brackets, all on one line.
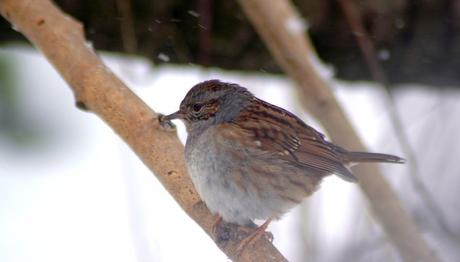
[(250, 159)]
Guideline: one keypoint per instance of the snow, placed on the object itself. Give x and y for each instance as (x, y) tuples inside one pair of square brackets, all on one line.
[(296, 25), (193, 13), (163, 57), (82, 195)]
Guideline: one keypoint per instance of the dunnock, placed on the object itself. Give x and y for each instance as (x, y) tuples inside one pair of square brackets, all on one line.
[(249, 159)]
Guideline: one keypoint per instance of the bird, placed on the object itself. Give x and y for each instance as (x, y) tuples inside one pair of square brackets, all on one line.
[(251, 160)]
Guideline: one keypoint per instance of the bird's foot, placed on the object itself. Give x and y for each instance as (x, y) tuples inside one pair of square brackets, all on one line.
[(254, 235)]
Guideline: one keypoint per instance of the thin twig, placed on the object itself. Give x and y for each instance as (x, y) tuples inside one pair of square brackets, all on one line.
[(205, 12)]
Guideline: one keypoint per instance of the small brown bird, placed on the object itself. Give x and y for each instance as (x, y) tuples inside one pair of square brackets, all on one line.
[(249, 159)]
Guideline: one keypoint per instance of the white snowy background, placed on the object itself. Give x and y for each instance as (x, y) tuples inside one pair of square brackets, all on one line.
[(76, 192)]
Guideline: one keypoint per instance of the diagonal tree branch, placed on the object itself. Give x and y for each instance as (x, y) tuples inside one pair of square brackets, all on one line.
[(280, 26), (378, 74), (96, 89)]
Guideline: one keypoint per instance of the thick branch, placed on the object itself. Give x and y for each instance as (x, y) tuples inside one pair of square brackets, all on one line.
[(280, 26), (61, 39)]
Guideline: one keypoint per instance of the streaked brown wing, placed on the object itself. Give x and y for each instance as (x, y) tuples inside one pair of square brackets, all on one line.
[(275, 131)]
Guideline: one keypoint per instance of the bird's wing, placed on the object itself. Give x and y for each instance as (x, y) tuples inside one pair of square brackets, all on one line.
[(269, 130)]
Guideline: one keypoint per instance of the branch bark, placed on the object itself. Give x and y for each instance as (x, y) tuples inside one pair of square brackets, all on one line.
[(96, 89), (280, 26)]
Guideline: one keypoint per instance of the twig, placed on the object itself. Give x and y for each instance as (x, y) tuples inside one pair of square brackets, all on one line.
[(277, 24), (205, 12), (364, 42), (96, 88)]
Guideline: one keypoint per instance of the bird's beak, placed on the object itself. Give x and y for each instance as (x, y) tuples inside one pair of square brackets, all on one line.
[(176, 115)]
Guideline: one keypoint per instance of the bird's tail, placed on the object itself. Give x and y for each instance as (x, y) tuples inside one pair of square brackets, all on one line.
[(357, 157)]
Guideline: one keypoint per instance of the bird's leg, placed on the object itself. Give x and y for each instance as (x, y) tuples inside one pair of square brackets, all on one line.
[(255, 234), (215, 225)]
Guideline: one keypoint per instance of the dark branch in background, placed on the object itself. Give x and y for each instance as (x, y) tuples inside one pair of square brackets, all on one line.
[(367, 48), (364, 42), (127, 28), (205, 29), (61, 40), (422, 36)]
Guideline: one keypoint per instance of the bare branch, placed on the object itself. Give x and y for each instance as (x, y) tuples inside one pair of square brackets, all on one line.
[(378, 74), (61, 39), (280, 26)]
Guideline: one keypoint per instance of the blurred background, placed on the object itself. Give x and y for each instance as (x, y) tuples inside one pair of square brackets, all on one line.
[(71, 190)]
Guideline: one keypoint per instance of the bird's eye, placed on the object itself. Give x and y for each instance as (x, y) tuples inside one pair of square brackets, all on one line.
[(197, 107)]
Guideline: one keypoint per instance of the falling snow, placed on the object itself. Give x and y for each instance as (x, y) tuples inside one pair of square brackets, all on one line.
[(193, 13), (163, 57), (384, 54), (296, 25)]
